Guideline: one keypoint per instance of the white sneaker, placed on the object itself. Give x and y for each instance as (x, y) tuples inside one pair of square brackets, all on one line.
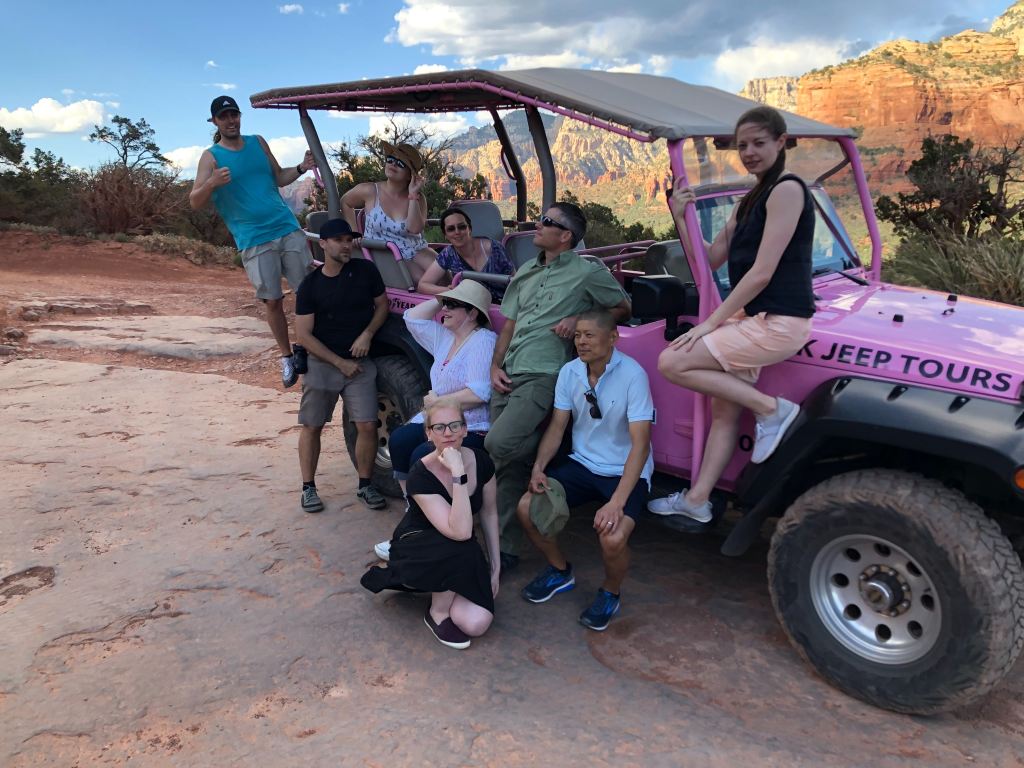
[(676, 504), (288, 374), (771, 429), (383, 550)]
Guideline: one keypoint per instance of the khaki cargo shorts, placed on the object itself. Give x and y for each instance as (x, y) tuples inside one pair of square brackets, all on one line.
[(267, 262), (323, 383)]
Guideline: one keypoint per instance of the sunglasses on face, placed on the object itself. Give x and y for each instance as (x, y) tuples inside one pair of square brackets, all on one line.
[(547, 221), (453, 304), (392, 160), (456, 228), (451, 426), (595, 410)]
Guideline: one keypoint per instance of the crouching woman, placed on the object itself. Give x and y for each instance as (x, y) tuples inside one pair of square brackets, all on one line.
[(433, 549)]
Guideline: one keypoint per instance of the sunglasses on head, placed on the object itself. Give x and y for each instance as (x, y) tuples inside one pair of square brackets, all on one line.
[(595, 409), (453, 304), (451, 426), (547, 221), (392, 160), (456, 227)]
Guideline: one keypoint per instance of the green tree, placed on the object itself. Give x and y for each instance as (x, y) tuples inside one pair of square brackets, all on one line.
[(132, 141), (604, 227), (12, 147), (961, 190)]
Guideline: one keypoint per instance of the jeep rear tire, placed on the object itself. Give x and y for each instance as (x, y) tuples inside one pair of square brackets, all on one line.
[(898, 590), (400, 390)]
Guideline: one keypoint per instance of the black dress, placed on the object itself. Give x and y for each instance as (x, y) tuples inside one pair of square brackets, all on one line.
[(425, 560)]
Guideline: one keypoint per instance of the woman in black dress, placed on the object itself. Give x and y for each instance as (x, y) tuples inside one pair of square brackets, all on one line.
[(433, 549)]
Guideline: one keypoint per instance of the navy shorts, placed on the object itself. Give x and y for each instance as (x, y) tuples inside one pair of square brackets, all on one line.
[(582, 486)]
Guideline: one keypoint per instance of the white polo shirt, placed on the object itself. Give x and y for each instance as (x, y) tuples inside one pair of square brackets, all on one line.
[(623, 395)]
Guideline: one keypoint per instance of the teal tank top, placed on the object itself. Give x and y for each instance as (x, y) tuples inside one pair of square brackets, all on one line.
[(251, 205)]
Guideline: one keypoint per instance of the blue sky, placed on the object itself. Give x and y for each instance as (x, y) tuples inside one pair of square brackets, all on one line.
[(68, 65)]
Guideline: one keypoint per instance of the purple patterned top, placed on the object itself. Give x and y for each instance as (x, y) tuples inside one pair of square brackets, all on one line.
[(498, 264)]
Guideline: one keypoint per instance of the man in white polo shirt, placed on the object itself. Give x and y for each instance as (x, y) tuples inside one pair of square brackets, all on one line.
[(609, 398)]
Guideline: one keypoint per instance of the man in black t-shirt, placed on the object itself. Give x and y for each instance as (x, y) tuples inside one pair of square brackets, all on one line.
[(338, 309)]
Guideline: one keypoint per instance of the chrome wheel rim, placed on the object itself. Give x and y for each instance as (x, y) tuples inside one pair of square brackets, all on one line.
[(875, 599), (388, 420)]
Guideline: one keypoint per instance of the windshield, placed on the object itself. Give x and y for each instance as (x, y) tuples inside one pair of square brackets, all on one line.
[(832, 249)]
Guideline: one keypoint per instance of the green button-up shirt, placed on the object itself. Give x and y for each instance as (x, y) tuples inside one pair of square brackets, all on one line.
[(539, 296)]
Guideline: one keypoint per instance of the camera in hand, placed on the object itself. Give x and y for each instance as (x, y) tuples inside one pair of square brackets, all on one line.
[(300, 358)]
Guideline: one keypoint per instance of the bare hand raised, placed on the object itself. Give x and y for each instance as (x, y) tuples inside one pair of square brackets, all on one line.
[(451, 459), (682, 195), (416, 183)]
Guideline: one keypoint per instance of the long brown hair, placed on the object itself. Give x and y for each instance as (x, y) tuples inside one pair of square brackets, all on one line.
[(772, 121)]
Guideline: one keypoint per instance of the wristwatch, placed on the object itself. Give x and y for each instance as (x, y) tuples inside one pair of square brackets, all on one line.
[(460, 480), (298, 169)]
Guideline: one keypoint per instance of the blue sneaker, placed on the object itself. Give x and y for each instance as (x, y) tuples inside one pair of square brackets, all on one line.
[(549, 583), (600, 612)]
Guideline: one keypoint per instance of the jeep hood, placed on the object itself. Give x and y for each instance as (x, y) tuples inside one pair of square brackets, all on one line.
[(918, 336)]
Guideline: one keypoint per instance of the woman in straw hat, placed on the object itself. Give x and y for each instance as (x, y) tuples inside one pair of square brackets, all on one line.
[(395, 209), (462, 345)]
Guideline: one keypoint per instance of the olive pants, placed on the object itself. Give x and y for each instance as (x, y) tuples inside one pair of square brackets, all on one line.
[(517, 419)]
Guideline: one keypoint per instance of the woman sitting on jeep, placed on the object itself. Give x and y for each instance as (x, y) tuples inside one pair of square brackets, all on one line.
[(765, 319), (465, 252)]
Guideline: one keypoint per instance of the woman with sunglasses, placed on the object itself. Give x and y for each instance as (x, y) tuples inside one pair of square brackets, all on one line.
[(395, 210), (433, 549), (465, 253)]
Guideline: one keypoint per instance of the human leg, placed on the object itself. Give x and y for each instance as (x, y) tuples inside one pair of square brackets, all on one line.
[(725, 428), (616, 554), (701, 371), (360, 394), (309, 452), (548, 545), (471, 618), (445, 630), (315, 410), (278, 325)]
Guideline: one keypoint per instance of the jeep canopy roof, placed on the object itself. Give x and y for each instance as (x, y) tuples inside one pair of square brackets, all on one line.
[(643, 107)]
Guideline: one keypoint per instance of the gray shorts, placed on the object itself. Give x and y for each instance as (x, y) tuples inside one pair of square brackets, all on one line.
[(265, 263), (323, 383)]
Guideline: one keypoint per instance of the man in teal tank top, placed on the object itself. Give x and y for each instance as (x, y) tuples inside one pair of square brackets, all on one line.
[(240, 174)]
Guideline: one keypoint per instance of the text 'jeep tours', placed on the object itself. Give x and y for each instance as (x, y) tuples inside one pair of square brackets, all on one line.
[(901, 485)]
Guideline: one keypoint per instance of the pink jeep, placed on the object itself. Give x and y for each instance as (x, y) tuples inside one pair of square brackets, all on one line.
[(899, 489)]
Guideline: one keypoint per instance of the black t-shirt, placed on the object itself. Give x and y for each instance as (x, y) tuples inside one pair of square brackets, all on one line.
[(790, 290), (342, 306), (423, 481)]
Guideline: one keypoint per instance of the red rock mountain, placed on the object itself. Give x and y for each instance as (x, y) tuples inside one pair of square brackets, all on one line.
[(971, 84)]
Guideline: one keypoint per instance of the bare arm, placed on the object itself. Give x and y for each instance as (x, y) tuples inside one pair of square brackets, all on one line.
[(639, 449), (285, 176), (354, 198), (621, 311), (361, 346), (431, 280), (547, 449), (208, 178), (454, 520), (416, 216), (499, 379)]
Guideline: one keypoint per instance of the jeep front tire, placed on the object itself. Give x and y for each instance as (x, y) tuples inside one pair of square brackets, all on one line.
[(898, 590)]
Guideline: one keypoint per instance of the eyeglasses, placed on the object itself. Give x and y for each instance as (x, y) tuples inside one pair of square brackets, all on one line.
[(392, 160), (456, 227), (453, 304), (451, 426), (547, 221), (595, 409)]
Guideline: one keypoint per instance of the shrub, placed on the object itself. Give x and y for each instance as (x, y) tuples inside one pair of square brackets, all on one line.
[(987, 267), (195, 251)]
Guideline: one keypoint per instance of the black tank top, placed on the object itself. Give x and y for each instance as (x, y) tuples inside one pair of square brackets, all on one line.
[(789, 292)]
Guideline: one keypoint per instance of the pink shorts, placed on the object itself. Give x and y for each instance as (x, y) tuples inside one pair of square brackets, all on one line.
[(744, 345)]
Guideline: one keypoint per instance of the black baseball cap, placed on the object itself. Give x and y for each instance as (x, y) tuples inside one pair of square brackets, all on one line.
[(222, 103), (337, 228)]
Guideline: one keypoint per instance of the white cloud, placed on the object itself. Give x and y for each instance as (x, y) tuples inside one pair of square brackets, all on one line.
[(50, 116), (67, 91), (289, 150), (767, 58), (222, 86), (659, 64), (185, 159), (113, 104), (427, 69), (211, 64), (345, 115), (343, 7), (439, 126), (290, 8)]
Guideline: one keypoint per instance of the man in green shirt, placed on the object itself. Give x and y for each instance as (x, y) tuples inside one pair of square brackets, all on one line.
[(540, 305)]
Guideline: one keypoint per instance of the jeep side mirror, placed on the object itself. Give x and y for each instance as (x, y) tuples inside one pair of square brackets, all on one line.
[(665, 296)]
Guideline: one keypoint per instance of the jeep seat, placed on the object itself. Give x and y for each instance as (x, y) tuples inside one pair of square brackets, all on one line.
[(392, 267), (315, 220), (486, 218), (668, 258)]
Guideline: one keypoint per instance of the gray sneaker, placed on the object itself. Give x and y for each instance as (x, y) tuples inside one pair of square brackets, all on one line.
[(311, 500), (371, 497), (771, 429), (288, 373)]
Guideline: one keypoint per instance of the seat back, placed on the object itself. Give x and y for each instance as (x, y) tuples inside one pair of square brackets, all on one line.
[(315, 220), (486, 218), (393, 269), (668, 258), (520, 248)]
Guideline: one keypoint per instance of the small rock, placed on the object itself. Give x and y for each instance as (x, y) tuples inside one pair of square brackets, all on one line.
[(6, 350), (14, 333), (30, 315)]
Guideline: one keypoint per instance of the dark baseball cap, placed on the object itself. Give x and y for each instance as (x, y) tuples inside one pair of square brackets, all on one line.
[(222, 103), (337, 228)]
